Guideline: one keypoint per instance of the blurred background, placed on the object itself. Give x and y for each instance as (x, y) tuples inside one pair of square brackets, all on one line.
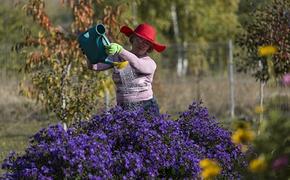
[(201, 62)]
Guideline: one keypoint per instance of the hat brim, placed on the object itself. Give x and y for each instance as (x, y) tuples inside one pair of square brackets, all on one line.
[(128, 32)]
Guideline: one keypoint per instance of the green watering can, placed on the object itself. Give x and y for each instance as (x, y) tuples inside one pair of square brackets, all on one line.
[(93, 42)]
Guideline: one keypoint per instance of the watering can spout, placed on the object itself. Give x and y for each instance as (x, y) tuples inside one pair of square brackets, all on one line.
[(93, 42)]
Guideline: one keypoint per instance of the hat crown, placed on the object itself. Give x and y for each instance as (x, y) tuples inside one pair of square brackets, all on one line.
[(146, 30)]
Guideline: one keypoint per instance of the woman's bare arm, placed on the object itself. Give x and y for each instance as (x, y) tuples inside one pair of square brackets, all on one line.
[(98, 66)]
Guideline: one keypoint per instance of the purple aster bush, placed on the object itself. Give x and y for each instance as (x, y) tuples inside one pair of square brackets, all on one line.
[(121, 144), (56, 154), (144, 145), (212, 140)]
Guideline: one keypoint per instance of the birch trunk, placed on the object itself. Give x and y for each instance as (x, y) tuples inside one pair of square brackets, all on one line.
[(177, 40)]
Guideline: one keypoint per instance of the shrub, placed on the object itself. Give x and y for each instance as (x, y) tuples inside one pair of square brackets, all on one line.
[(271, 148), (268, 31), (128, 144)]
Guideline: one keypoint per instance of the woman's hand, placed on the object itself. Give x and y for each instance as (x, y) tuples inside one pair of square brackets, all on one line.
[(113, 48)]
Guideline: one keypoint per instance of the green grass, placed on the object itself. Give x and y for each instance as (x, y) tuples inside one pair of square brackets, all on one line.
[(15, 135), (20, 118)]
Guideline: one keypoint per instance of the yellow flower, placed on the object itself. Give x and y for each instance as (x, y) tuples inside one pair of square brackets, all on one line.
[(242, 125), (266, 50), (210, 172), (210, 168), (205, 163), (259, 109), (242, 136), (258, 165)]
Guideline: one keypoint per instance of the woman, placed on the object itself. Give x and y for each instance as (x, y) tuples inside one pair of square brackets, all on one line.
[(137, 90)]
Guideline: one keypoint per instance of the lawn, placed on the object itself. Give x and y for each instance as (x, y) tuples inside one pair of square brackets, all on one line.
[(19, 118)]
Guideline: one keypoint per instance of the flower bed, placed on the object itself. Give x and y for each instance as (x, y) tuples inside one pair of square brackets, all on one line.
[(128, 144)]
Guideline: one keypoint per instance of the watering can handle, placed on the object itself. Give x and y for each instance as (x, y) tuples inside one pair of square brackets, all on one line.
[(99, 42), (102, 41), (101, 38), (100, 29), (107, 43), (106, 39)]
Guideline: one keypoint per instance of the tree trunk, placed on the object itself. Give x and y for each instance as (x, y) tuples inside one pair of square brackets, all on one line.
[(177, 40)]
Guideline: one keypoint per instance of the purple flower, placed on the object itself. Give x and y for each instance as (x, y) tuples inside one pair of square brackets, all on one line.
[(286, 79), (280, 162), (121, 144)]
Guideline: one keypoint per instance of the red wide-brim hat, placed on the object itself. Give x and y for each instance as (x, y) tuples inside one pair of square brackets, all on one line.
[(146, 32)]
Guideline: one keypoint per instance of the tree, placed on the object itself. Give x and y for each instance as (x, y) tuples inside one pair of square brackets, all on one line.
[(185, 22), (270, 26), (246, 7), (12, 19), (55, 65)]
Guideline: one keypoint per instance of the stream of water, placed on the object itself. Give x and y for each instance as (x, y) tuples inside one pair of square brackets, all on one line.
[(127, 77)]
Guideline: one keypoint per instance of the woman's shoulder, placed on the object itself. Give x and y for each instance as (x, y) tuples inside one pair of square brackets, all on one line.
[(150, 61), (147, 58)]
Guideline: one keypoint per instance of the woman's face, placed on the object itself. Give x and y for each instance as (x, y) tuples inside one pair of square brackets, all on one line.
[(140, 46)]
